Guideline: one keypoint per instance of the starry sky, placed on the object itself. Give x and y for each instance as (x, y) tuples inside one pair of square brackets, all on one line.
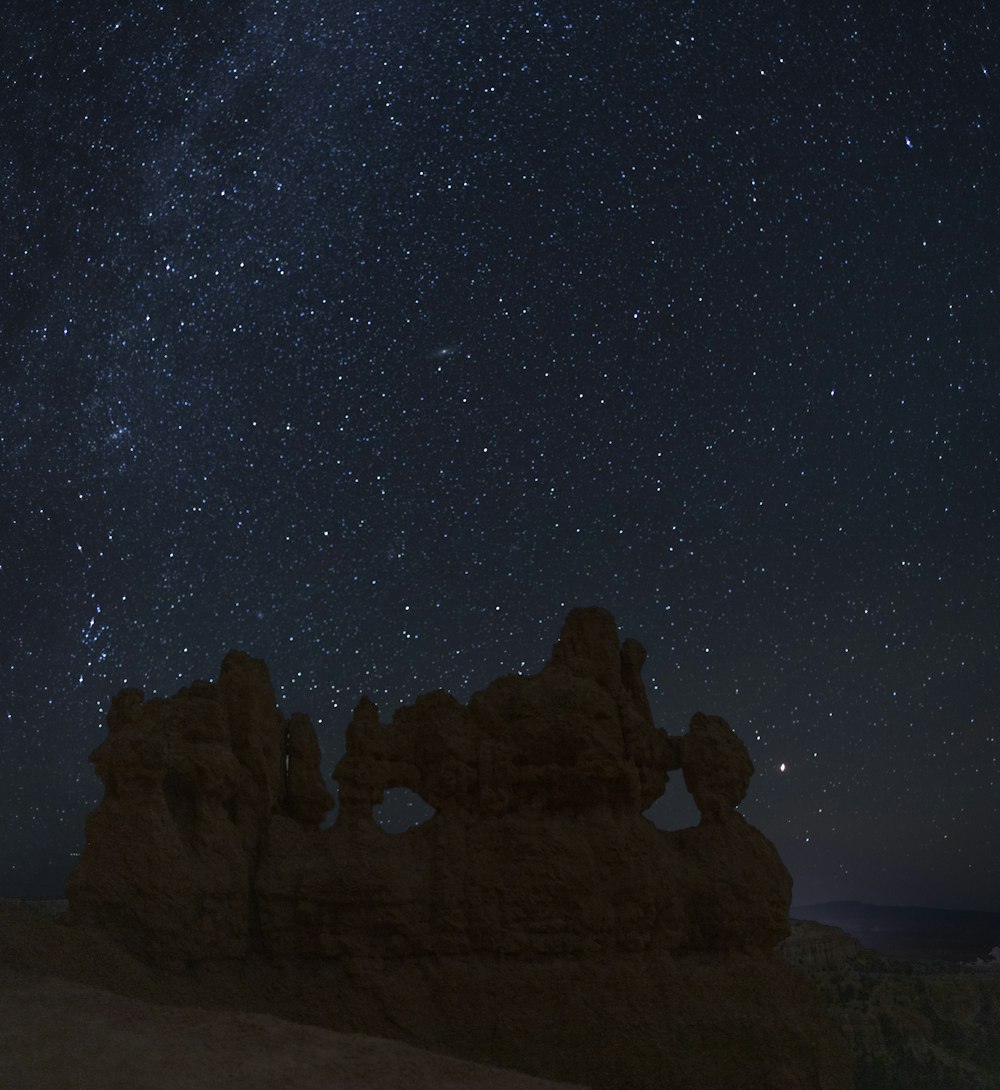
[(371, 338)]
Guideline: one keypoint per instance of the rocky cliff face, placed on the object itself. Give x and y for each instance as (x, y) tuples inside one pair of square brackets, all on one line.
[(911, 1025), (536, 920), (191, 786)]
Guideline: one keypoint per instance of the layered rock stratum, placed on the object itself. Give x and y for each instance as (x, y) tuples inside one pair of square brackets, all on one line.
[(537, 921)]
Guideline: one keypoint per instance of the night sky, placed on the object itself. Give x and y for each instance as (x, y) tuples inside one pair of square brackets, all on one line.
[(373, 338)]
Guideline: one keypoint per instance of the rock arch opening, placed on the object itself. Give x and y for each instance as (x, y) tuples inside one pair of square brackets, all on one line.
[(675, 808), (402, 809)]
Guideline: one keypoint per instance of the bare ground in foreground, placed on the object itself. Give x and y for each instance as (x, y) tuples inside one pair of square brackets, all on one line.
[(59, 1030)]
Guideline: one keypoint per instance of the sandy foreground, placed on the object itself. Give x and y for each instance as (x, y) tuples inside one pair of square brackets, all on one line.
[(60, 1032)]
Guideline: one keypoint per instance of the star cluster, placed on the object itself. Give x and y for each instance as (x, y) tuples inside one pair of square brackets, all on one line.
[(371, 339)]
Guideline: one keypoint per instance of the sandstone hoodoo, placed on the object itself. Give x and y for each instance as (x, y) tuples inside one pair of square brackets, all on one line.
[(208, 844), (537, 919)]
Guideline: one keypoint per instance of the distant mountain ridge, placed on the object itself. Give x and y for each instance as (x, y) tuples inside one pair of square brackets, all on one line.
[(911, 931)]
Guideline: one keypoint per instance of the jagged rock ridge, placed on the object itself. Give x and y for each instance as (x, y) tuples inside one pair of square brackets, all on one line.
[(208, 845)]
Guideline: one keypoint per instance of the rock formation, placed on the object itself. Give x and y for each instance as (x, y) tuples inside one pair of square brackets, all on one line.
[(208, 844), (191, 785), (537, 893)]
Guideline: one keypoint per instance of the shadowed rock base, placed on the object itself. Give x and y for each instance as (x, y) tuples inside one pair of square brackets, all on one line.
[(537, 920)]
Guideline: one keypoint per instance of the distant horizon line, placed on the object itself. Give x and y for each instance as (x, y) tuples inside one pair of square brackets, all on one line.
[(877, 904)]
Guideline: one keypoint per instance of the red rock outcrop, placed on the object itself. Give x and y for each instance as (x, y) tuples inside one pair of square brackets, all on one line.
[(208, 845), (190, 787)]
